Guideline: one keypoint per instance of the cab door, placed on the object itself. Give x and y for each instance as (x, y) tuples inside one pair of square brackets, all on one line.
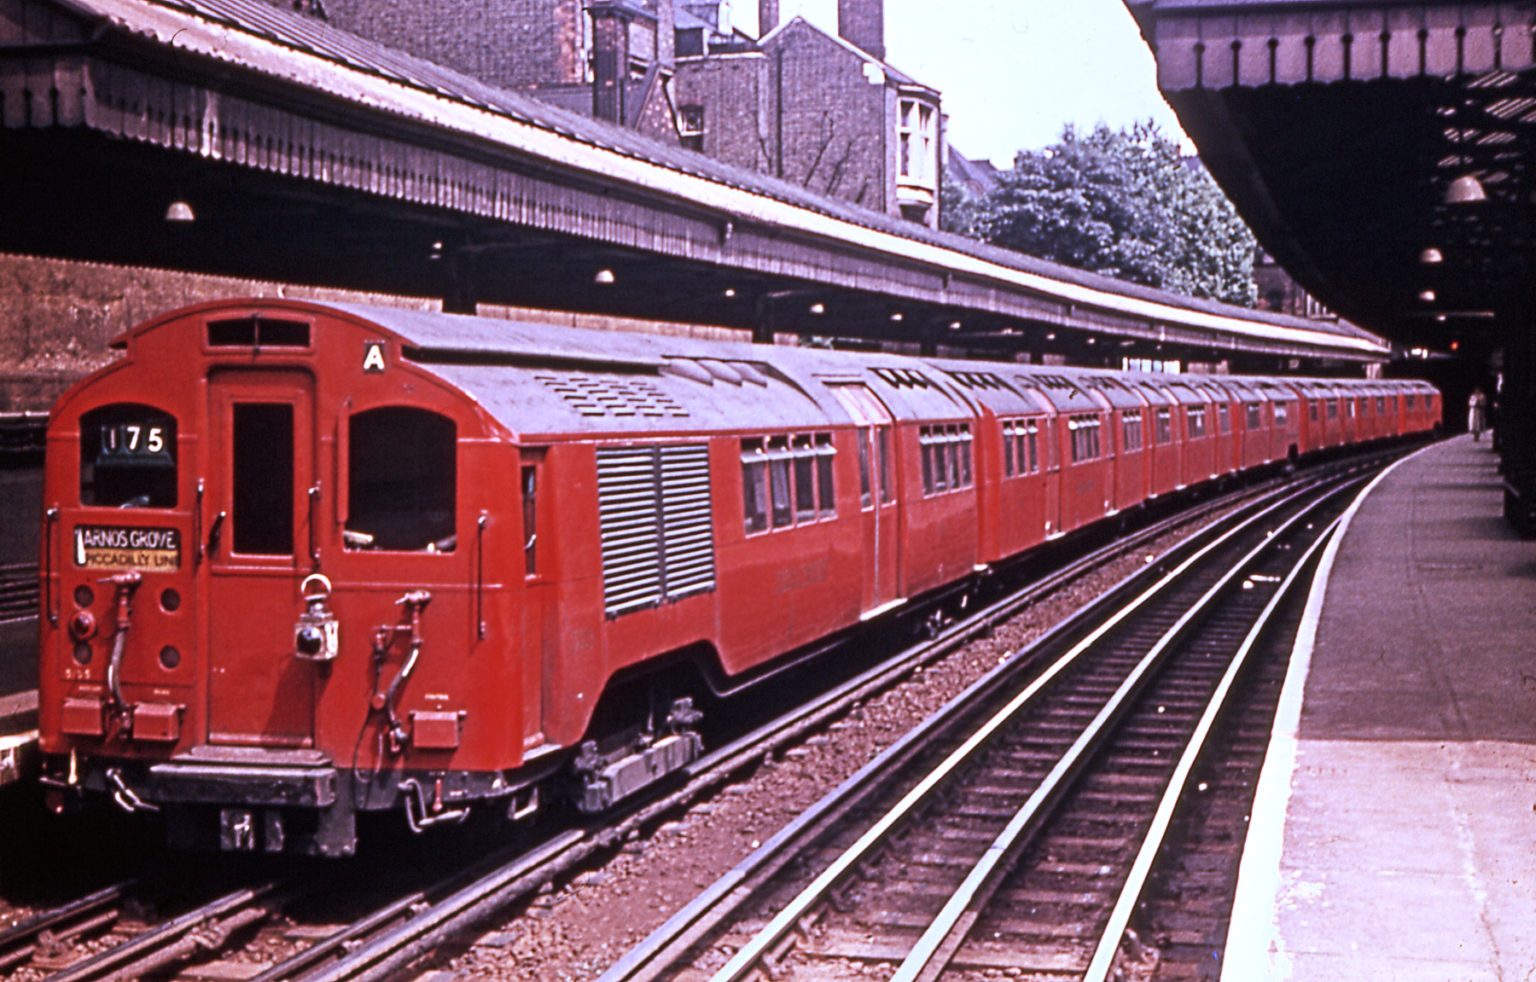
[(257, 542)]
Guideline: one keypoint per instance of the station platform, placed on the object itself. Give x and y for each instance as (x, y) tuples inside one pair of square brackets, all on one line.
[(18, 736), (1394, 834)]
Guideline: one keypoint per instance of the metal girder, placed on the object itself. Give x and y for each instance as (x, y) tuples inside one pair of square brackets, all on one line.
[(1216, 44), (1347, 181)]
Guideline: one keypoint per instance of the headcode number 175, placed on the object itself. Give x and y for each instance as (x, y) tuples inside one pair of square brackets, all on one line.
[(133, 440)]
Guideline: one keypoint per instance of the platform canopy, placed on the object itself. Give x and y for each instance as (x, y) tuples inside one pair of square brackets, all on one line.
[(301, 153), (1381, 150)]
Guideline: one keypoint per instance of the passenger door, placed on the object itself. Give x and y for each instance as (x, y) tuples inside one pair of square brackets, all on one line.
[(258, 541), (878, 495)]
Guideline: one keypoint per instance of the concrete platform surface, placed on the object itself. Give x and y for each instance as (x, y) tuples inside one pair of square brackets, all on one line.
[(1394, 836)]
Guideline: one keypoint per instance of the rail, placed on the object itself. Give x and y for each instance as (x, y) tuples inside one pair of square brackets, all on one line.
[(706, 918), (393, 937), (204, 928), (18, 592), (405, 930)]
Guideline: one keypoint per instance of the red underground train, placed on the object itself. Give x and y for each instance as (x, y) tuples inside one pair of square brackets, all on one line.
[(302, 562)]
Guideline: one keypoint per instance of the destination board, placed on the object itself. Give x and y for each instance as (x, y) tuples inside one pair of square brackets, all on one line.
[(127, 547)]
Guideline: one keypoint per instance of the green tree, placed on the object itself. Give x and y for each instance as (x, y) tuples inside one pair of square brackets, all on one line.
[(957, 207), (1125, 204)]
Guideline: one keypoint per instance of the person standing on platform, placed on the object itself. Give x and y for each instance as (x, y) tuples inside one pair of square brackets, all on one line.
[(1477, 414)]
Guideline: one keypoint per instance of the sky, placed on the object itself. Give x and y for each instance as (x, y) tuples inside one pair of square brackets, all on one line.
[(1012, 72)]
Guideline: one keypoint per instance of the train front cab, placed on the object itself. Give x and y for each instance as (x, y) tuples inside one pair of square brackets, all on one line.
[(208, 528)]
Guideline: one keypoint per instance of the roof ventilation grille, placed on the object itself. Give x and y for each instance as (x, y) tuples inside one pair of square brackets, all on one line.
[(613, 396)]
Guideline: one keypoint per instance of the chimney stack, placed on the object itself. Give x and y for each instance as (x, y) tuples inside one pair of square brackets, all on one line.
[(862, 23), (767, 16)]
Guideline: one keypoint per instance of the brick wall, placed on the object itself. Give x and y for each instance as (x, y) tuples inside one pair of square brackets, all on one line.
[(57, 317), (736, 92), (511, 43), (836, 120)]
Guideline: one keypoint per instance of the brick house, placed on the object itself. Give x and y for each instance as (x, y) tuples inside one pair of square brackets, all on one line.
[(825, 111), (607, 58)]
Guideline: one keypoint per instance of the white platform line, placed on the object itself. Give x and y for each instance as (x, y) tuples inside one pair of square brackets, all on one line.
[(1254, 949)]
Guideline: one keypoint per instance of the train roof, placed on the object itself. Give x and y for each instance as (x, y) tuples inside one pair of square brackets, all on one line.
[(537, 379), (550, 378)]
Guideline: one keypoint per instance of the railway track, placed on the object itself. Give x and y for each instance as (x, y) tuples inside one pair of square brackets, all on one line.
[(98, 937), (1021, 828), (18, 592), (410, 926)]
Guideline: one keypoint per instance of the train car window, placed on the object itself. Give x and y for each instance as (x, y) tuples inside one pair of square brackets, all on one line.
[(883, 451), (1223, 418), (1312, 406), (1282, 413), (1409, 401), (946, 453), (1085, 437), (805, 480), (1381, 405), (779, 477), (530, 519), (258, 332), (128, 457), (401, 480), (1131, 427), (1194, 418), (1255, 416), (953, 454), (261, 511), (1333, 409), (1164, 424), (1009, 438), (824, 457), (1034, 446), (754, 494), (865, 498), (935, 470)]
